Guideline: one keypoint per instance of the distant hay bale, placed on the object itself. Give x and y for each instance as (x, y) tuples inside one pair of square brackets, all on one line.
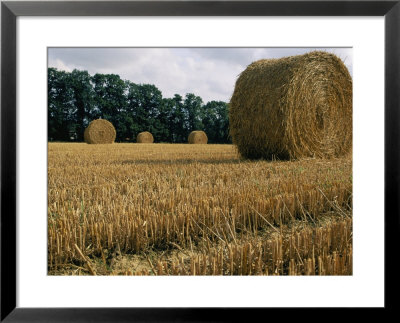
[(293, 107), (145, 138), (100, 131), (197, 137)]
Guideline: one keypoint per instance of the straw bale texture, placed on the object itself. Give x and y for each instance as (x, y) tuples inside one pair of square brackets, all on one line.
[(293, 107), (197, 137), (100, 131), (145, 138)]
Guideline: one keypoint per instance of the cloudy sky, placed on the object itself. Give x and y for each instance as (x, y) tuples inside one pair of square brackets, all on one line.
[(210, 73)]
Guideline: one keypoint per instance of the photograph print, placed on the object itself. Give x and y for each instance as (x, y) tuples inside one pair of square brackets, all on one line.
[(200, 161)]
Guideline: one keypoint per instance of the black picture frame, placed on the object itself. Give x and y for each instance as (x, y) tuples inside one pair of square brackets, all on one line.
[(10, 10)]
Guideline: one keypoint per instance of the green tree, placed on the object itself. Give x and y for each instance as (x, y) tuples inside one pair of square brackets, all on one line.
[(216, 122), (60, 105), (164, 120), (145, 108), (132, 110), (177, 120), (81, 86), (150, 101), (74, 99), (110, 100), (192, 108)]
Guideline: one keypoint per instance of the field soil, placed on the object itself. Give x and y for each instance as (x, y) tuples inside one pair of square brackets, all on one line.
[(179, 209)]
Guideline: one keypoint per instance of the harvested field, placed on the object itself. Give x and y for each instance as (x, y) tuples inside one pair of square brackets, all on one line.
[(179, 209)]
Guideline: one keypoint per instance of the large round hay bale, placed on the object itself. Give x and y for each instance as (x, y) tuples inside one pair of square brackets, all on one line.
[(145, 137), (293, 107), (197, 137), (100, 131)]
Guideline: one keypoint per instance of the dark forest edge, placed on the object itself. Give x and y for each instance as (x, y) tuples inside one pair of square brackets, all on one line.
[(76, 98)]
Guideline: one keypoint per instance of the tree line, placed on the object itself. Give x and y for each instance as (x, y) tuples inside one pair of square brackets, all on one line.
[(76, 98)]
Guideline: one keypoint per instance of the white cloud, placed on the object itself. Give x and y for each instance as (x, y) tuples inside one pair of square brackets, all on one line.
[(210, 73), (60, 65)]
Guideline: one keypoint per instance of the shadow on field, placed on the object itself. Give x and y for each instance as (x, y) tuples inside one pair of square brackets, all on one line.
[(178, 161)]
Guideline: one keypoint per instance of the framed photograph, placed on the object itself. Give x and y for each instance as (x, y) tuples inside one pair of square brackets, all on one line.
[(197, 160)]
